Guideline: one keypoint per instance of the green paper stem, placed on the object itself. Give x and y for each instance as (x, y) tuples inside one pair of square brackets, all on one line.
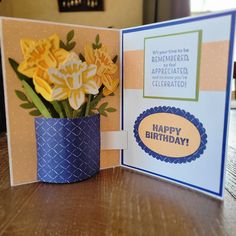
[(88, 105), (96, 100), (58, 109), (36, 100), (82, 110), (75, 113), (67, 108)]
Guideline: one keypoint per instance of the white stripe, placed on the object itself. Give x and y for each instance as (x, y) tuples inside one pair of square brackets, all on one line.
[(210, 27)]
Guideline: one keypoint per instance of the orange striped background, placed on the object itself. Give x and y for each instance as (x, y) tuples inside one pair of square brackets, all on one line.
[(213, 67)]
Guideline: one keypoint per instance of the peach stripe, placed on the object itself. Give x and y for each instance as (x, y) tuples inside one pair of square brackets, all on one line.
[(213, 67), (133, 69)]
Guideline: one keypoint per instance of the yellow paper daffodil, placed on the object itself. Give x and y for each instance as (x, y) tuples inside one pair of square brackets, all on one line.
[(105, 68), (43, 84), (73, 80), (41, 54)]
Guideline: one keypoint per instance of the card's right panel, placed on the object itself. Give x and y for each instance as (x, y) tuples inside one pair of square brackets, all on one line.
[(175, 101)]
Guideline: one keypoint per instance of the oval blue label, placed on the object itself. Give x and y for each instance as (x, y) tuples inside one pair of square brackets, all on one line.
[(170, 134)]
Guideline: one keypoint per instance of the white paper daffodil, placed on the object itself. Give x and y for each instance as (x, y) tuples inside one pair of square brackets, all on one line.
[(73, 79)]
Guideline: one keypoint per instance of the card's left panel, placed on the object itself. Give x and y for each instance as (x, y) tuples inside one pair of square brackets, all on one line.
[(20, 124)]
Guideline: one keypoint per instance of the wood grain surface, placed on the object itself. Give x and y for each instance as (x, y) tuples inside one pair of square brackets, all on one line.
[(115, 202)]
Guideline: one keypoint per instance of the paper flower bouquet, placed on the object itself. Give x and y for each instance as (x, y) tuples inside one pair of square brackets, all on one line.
[(64, 88)]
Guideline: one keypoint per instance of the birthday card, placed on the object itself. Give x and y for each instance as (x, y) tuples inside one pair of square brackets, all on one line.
[(162, 92), (175, 101)]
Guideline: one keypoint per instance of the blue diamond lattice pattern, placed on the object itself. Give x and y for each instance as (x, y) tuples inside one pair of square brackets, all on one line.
[(68, 150)]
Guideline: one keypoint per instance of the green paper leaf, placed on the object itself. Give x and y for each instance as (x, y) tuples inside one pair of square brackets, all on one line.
[(28, 105), (110, 109), (99, 45), (35, 113), (70, 35), (36, 100), (14, 66), (97, 39), (70, 46), (81, 57), (103, 113), (94, 46), (21, 95), (115, 59), (103, 106), (62, 45)]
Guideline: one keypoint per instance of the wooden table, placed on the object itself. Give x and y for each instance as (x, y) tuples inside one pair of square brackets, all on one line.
[(115, 202)]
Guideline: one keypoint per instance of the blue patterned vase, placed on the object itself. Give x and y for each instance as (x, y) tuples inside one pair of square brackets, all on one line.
[(68, 150)]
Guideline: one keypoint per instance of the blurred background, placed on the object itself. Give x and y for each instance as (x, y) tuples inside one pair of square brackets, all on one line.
[(114, 13), (117, 13)]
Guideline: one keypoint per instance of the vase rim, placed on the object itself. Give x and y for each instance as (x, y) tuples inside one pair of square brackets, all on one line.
[(83, 117)]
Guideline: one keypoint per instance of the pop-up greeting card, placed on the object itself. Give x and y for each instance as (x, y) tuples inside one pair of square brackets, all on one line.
[(169, 116), (67, 76)]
